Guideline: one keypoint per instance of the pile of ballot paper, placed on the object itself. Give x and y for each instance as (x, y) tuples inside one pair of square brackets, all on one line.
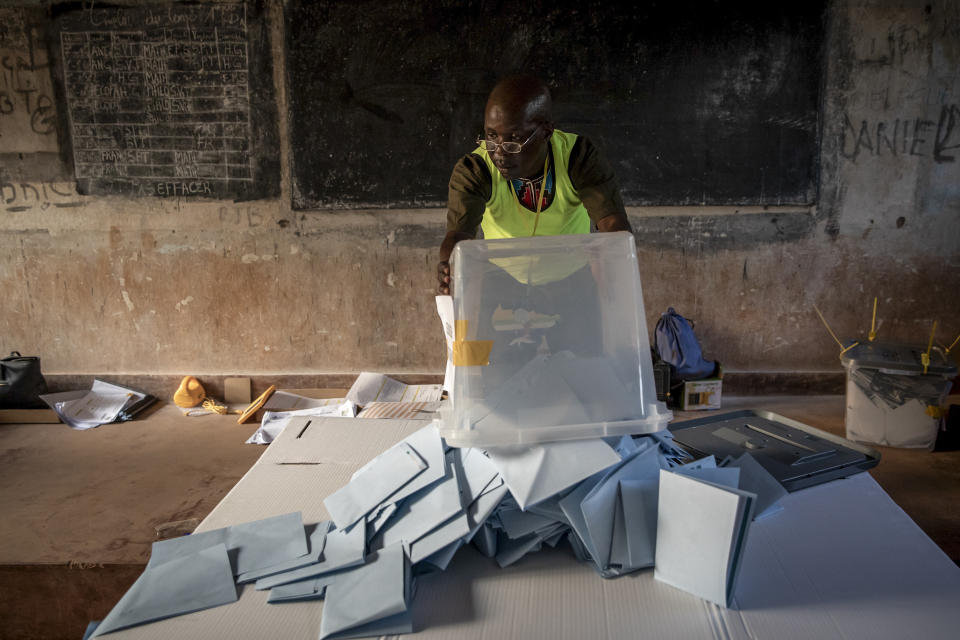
[(102, 404), (621, 504)]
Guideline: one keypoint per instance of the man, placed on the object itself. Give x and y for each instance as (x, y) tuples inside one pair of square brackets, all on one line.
[(526, 178)]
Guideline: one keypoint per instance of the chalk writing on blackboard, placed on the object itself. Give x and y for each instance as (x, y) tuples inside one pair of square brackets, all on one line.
[(158, 101)]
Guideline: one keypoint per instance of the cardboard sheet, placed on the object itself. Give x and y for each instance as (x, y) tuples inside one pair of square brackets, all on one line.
[(841, 561), (338, 441), (274, 422)]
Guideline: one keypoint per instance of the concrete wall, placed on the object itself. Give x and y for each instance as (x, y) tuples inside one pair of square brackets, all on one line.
[(173, 286)]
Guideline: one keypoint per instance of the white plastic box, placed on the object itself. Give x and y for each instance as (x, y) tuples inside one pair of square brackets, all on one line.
[(552, 340), (890, 401)]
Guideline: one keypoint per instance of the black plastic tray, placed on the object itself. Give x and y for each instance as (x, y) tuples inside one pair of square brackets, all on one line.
[(797, 455)]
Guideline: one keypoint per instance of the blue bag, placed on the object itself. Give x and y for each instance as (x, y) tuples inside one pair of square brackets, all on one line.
[(677, 345)]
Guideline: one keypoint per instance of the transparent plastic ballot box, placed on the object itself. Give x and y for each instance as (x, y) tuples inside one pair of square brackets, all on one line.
[(550, 342), (890, 400)]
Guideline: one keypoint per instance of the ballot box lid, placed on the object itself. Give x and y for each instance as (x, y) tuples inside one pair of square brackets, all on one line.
[(899, 358), (794, 453)]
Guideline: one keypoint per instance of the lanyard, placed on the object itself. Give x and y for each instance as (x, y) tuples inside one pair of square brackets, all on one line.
[(543, 188)]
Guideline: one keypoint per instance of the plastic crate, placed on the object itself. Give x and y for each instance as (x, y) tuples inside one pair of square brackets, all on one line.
[(551, 342)]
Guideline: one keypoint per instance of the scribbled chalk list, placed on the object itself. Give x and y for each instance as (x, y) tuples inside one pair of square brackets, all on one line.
[(158, 101)]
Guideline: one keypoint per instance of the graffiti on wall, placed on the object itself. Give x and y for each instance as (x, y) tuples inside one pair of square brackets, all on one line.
[(906, 103), (27, 112), (938, 139), (27, 196)]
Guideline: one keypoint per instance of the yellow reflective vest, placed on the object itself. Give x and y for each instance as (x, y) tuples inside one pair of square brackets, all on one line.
[(505, 217)]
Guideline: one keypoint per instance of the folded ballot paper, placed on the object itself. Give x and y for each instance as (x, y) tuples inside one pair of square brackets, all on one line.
[(560, 389), (702, 525), (188, 582), (622, 504), (198, 571)]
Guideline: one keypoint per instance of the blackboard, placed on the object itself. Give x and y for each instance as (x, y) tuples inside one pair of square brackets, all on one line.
[(693, 102), (169, 100)]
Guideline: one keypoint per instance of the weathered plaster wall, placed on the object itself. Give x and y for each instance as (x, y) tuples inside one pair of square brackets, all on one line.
[(171, 286), (890, 183), (221, 288), (887, 223)]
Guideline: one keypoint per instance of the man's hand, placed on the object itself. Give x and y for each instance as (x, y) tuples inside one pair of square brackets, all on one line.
[(444, 275), (614, 222)]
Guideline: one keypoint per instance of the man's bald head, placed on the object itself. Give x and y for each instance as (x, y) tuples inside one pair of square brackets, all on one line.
[(522, 96), (519, 110)]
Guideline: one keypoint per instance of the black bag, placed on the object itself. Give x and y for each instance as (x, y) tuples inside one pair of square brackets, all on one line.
[(21, 382)]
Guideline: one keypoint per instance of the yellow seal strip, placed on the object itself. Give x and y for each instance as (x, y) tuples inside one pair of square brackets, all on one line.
[(925, 357), (469, 353), (953, 344), (843, 349), (936, 412)]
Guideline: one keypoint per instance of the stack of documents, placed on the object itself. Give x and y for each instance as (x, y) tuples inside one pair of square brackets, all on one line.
[(376, 387), (399, 410), (103, 403), (289, 401), (407, 511), (601, 496), (512, 533), (614, 513), (367, 593)]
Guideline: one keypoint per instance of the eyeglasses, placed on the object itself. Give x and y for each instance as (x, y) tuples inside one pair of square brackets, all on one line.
[(509, 146)]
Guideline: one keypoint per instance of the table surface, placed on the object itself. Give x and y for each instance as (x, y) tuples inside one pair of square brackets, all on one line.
[(840, 560)]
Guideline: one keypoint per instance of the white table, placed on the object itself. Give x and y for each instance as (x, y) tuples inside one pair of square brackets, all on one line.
[(841, 560)]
